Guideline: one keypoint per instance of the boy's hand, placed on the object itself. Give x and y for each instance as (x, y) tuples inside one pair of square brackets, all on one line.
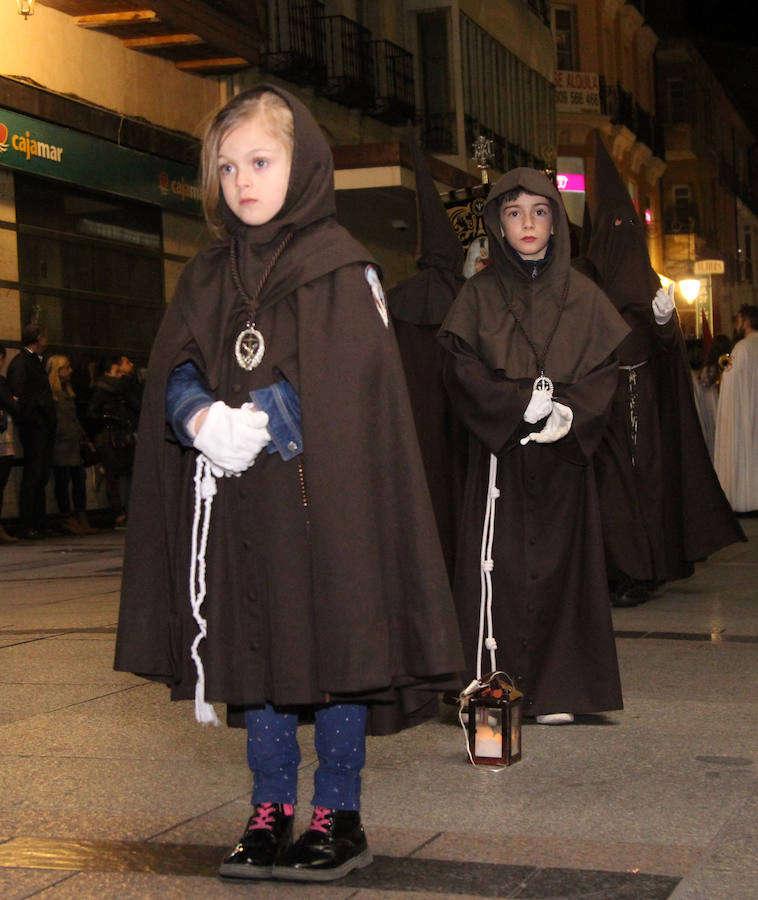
[(557, 426), (663, 304), (540, 405)]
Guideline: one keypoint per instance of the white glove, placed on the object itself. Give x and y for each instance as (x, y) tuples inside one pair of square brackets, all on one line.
[(557, 426), (540, 405), (232, 438), (663, 304)]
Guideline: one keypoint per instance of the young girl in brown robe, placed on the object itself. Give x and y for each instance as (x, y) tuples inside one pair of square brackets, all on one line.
[(282, 551)]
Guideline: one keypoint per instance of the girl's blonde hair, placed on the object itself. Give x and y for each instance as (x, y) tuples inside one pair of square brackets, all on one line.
[(54, 366), (277, 120)]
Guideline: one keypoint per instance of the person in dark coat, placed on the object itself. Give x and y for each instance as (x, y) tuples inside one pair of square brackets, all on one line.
[(27, 380), (531, 373), (8, 414), (113, 412), (656, 481), (417, 307), (284, 556)]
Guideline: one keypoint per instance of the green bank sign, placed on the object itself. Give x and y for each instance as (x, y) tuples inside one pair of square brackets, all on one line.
[(40, 148)]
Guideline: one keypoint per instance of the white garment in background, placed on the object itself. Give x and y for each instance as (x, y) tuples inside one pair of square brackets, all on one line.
[(706, 401), (735, 455)]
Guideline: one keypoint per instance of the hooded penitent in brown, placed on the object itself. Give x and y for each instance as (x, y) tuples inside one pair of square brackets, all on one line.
[(324, 573), (550, 598), (417, 306), (661, 504)]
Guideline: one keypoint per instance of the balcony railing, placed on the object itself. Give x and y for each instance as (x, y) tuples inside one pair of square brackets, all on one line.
[(393, 79), (296, 41), (350, 76), (439, 132)]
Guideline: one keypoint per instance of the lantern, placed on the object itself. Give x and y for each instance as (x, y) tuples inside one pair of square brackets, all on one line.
[(494, 722)]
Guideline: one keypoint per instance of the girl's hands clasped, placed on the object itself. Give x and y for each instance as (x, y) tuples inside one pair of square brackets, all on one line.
[(232, 438)]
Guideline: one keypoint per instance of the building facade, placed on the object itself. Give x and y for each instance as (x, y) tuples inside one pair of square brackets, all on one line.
[(102, 106), (605, 82), (710, 207)]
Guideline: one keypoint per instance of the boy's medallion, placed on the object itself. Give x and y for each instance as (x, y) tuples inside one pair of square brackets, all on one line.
[(541, 383)]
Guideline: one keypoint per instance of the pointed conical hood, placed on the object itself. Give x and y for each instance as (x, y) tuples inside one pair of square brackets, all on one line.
[(426, 297), (438, 244), (618, 248)]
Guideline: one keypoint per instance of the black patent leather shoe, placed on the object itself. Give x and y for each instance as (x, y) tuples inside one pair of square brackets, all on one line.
[(267, 837), (334, 845)]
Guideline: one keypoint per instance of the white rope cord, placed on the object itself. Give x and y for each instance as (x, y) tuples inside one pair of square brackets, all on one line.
[(486, 567), (205, 490)]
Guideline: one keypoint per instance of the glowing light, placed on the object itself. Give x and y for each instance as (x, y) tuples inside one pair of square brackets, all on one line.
[(570, 181), (690, 288)]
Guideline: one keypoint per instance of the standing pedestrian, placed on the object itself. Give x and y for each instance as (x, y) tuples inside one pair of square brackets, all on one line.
[(27, 380), (282, 553)]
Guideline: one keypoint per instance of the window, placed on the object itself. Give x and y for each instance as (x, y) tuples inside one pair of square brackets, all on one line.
[(434, 57), (564, 29), (90, 269), (505, 101), (677, 100)]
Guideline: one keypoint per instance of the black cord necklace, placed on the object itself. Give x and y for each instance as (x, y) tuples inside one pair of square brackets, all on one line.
[(541, 382), (250, 346)]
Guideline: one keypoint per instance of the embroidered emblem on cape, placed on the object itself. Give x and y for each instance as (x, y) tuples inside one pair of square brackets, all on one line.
[(378, 294)]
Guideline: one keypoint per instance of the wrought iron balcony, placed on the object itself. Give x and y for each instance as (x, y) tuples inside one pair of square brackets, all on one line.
[(439, 132), (393, 80), (296, 46), (350, 76)]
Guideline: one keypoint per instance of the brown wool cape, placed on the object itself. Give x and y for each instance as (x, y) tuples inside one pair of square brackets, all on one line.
[(550, 596), (325, 577)]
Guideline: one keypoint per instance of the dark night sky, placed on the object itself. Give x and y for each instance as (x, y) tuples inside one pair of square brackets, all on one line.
[(728, 42)]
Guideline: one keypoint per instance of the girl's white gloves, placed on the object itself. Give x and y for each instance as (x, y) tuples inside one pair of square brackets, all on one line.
[(232, 438), (663, 304), (557, 426)]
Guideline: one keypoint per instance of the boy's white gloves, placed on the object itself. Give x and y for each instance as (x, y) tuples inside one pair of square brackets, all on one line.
[(557, 426), (540, 405), (663, 304), (231, 438)]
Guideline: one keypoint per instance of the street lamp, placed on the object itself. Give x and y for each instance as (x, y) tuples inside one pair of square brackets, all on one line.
[(690, 288)]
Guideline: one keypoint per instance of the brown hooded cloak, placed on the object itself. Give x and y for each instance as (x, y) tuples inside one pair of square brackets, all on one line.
[(550, 598), (417, 306), (661, 503), (325, 577)]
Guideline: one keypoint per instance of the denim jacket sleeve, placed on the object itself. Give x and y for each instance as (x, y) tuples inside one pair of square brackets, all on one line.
[(185, 395), (282, 404)]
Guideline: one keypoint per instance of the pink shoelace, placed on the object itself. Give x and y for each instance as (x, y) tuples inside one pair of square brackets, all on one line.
[(264, 815), (321, 820)]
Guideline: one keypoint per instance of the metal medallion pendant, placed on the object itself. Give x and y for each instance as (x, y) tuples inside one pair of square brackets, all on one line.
[(249, 348), (543, 383)]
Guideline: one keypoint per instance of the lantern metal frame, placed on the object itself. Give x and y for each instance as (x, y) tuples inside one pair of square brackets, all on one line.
[(494, 724)]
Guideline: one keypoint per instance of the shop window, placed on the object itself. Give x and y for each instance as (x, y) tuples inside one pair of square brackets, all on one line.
[(90, 269)]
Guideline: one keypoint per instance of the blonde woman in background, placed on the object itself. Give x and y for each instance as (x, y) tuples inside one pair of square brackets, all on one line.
[(68, 468)]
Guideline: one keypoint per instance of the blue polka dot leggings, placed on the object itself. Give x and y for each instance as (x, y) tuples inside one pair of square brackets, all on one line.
[(273, 755)]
